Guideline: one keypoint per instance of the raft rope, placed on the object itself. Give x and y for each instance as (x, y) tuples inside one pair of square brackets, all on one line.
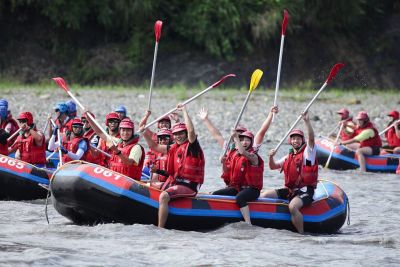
[(348, 212), (45, 208)]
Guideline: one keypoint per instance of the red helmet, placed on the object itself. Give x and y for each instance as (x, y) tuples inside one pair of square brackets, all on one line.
[(179, 127), (26, 116), (395, 114), (164, 131), (241, 128), (362, 115), (296, 132), (77, 122), (127, 124), (165, 118), (247, 134), (84, 116), (112, 116), (344, 112)]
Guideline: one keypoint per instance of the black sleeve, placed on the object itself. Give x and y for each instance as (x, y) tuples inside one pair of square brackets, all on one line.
[(162, 172), (3, 136), (194, 149)]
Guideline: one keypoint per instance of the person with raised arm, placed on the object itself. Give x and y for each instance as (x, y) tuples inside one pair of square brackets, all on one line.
[(185, 164), (300, 170), (245, 172), (8, 126), (367, 136), (393, 134)]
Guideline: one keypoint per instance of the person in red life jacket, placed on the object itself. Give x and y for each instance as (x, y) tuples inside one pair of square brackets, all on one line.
[(61, 110), (157, 161), (300, 169), (185, 164), (30, 145), (393, 134), (368, 137), (127, 156), (112, 123), (245, 171), (348, 128), (71, 113), (93, 154), (8, 126), (121, 111), (73, 148)]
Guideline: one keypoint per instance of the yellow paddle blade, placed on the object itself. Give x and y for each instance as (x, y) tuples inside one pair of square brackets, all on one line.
[(255, 79)]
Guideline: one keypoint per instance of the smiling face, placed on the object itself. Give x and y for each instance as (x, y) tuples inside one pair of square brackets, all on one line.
[(125, 133), (77, 130), (164, 124), (245, 141), (296, 141), (163, 139), (180, 137)]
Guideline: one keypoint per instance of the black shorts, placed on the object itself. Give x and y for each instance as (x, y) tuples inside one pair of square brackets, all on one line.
[(376, 150), (306, 194)]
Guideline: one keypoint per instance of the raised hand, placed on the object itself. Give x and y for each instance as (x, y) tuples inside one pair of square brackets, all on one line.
[(203, 113)]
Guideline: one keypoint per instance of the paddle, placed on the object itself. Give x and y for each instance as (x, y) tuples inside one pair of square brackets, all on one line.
[(333, 147), (189, 100), (255, 79), (335, 69), (390, 126), (278, 76), (59, 144), (13, 135), (63, 85), (157, 32)]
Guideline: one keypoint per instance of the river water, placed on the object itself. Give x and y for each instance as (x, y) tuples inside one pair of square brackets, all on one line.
[(371, 239)]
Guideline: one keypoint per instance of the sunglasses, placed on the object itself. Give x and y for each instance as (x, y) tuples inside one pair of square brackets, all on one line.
[(84, 121), (23, 120), (77, 126), (113, 121), (57, 110), (164, 137)]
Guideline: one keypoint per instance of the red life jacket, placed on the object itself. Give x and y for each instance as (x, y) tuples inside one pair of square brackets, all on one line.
[(14, 128), (72, 146), (184, 166), (29, 151), (159, 160), (226, 176), (150, 158), (116, 164), (89, 134), (370, 142), (4, 149), (62, 127), (243, 174), (104, 160), (392, 139), (344, 135), (298, 175)]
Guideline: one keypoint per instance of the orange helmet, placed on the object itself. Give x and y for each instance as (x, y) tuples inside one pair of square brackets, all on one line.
[(26, 116)]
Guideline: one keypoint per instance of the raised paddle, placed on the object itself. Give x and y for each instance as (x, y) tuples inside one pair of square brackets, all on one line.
[(255, 79), (333, 147), (335, 69), (189, 100), (390, 126), (278, 76), (59, 143), (157, 32), (63, 85)]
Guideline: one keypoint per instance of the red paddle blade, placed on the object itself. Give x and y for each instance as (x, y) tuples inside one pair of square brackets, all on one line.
[(285, 21), (61, 83), (222, 80), (334, 71), (157, 29)]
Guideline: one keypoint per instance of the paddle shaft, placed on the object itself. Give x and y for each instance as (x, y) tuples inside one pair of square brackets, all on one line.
[(298, 119), (238, 119), (333, 147), (59, 143), (13, 135), (153, 70), (390, 126), (174, 109), (278, 76)]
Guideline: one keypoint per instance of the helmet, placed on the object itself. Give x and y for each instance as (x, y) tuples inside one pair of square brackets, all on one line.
[(112, 116), (241, 128), (121, 109), (3, 108), (296, 132), (26, 116), (164, 131), (179, 127), (395, 114), (62, 107), (247, 134), (77, 122), (71, 106), (165, 118), (344, 112), (127, 124), (84, 116), (362, 115)]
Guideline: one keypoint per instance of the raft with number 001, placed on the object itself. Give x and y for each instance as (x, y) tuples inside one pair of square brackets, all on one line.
[(20, 180), (346, 159), (86, 193)]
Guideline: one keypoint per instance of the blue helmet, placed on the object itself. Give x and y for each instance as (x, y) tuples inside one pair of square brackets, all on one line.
[(121, 109), (62, 107), (3, 108), (71, 106)]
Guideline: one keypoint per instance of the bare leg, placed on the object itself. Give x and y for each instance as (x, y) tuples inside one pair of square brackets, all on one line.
[(297, 218), (361, 158), (246, 214), (396, 150), (163, 209), (271, 193)]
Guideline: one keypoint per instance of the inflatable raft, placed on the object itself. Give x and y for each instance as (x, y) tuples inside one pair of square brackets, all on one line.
[(20, 180), (346, 159), (88, 194)]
